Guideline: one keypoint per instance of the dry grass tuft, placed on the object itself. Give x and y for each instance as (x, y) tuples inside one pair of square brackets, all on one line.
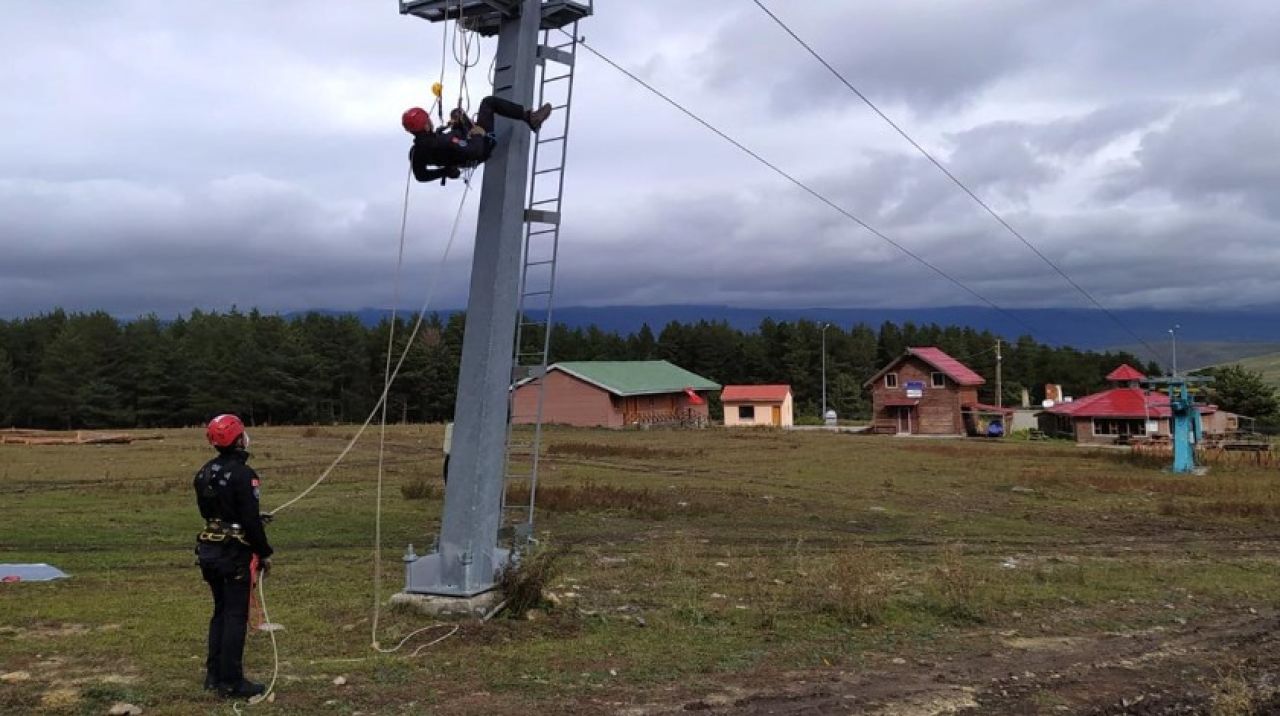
[(956, 588), (523, 582), (311, 431), (595, 497), (1232, 696), (853, 586), (422, 489), (631, 452)]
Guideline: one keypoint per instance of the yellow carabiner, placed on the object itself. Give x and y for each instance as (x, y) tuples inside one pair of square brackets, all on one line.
[(437, 89)]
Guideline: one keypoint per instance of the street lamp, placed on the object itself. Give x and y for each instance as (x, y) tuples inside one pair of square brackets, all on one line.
[(1173, 336), (825, 326)]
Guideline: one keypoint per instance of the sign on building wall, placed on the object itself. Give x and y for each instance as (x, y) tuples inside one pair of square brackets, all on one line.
[(915, 388)]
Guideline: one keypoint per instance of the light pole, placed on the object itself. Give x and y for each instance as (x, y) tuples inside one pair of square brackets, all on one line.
[(1173, 336), (825, 326)]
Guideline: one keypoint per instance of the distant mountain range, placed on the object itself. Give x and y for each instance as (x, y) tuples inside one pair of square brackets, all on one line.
[(1193, 355), (1082, 328)]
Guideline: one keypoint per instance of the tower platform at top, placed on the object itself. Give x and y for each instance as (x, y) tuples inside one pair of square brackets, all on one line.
[(485, 16)]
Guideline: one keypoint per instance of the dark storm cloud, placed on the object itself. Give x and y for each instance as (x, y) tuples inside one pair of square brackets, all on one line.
[(162, 160)]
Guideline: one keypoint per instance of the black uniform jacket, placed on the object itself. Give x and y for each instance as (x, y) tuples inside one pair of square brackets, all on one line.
[(226, 489), (446, 148)]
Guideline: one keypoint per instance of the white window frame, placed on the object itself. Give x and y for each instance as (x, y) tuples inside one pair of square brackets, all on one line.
[(938, 379), (890, 380)]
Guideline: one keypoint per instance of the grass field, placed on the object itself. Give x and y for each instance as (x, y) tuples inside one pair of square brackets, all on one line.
[(728, 572)]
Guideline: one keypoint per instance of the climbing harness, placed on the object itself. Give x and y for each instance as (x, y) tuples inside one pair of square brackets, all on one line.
[(218, 532)]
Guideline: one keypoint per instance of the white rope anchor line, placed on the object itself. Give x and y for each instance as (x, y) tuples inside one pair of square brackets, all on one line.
[(275, 650), (417, 326), (382, 430), (382, 441), (379, 407)]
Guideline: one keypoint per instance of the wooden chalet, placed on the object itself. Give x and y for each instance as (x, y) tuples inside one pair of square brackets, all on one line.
[(927, 392)]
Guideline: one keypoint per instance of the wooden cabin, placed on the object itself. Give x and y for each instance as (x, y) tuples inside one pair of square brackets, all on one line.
[(927, 392)]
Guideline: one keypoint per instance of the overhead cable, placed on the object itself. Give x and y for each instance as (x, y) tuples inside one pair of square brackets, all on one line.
[(810, 190), (963, 187)]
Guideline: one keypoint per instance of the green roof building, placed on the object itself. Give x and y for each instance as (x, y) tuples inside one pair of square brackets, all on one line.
[(616, 394)]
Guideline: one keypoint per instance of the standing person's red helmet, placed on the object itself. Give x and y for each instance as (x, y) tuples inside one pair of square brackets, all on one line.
[(415, 120), (224, 430)]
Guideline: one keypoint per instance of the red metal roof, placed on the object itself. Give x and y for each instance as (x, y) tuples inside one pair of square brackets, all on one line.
[(1126, 372), (954, 369), (1120, 403), (755, 393)]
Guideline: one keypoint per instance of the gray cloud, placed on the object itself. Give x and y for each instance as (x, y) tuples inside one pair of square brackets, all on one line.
[(159, 161)]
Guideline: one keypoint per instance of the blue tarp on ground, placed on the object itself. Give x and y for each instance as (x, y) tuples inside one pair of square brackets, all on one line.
[(30, 573)]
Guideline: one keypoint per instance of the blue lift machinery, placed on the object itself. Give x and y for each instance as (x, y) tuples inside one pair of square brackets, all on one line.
[(1184, 421), (512, 282)]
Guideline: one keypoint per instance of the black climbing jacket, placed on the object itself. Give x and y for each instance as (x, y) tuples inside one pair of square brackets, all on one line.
[(446, 148), (227, 490)]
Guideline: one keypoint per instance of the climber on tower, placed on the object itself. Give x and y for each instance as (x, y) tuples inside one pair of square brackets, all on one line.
[(461, 144)]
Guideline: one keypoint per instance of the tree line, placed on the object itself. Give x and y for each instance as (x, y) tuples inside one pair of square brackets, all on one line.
[(89, 370)]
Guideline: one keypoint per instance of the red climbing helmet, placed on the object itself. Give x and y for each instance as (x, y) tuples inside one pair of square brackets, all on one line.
[(415, 120), (224, 430)]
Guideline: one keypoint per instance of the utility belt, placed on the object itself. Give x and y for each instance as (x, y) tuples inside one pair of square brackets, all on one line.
[(218, 532)]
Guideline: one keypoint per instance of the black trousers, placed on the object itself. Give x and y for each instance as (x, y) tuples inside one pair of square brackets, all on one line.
[(229, 623), (490, 106)]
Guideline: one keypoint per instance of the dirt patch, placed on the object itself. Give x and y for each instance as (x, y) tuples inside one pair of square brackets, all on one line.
[(1046, 643), (1152, 672), (45, 630)]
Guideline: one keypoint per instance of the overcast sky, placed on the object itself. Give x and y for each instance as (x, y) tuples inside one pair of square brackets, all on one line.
[(161, 156)]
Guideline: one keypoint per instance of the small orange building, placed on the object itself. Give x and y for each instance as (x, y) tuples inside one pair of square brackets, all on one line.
[(927, 392), (615, 394), (757, 405)]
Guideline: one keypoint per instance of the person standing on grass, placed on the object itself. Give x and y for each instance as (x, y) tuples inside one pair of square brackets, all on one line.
[(227, 495)]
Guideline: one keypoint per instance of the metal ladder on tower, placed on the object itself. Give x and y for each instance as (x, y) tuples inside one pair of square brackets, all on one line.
[(537, 282)]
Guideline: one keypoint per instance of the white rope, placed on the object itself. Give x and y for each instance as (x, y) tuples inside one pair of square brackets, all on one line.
[(275, 650), (382, 439), (417, 326), (464, 38), (380, 407), (382, 429)]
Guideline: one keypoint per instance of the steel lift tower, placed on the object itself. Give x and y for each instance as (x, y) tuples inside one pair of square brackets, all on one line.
[(1185, 430), (467, 557)]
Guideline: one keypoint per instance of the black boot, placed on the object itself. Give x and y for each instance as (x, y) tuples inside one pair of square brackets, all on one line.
[(245, 689), (210, 681), (536, 117)]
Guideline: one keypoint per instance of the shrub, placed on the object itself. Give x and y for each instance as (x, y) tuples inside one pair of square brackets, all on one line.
[(523, 581), (421, 489), (955, 589), (851, 586)]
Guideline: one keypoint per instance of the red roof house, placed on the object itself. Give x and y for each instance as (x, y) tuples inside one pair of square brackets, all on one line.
[(757, 405), (1117, 414), (927, 392)]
